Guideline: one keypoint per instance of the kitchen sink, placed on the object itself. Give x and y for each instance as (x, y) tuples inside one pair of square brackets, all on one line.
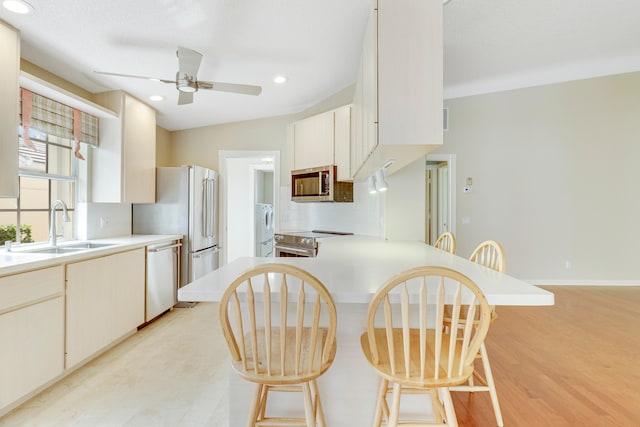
[(87, 245), (56, 250), (69, 248)]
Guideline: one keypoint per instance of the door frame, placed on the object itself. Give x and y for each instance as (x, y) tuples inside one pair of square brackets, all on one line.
[(223, 156), (451, 163)]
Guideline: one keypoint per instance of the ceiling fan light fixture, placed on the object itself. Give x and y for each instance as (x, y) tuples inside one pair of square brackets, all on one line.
[(18, 6), (186, 85)]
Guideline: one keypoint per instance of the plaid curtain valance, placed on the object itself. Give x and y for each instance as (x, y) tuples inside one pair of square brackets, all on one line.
[(54, 118)]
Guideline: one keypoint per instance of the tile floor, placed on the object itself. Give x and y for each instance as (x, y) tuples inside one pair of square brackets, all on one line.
[(174, 372)]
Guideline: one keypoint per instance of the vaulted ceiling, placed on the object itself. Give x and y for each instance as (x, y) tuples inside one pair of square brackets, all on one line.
[(489, 45)]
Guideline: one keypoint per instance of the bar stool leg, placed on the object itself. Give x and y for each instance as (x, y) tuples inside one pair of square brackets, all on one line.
[(491, 384)]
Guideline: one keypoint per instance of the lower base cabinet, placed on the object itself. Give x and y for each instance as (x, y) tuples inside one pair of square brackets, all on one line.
[(31, 332), (105, 301)]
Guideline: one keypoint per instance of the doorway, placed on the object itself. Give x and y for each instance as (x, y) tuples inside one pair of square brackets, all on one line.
[(247, 178), (440, 196)]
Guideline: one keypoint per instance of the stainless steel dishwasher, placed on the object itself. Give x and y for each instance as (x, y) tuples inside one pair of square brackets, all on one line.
[(162, 277)]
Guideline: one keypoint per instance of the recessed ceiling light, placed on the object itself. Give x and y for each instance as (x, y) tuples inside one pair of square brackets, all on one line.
[(279, 79), (18, 6), (156, 97)]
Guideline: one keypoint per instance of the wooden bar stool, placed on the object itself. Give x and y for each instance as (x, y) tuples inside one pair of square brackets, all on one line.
[(407, 344), (447, 242), (489, 254), (279, 322)]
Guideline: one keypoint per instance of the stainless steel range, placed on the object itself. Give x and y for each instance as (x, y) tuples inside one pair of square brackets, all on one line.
[(302, 243)]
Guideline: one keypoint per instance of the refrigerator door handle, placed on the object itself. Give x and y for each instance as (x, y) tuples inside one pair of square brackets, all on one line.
[(210, 208), (207, 208)]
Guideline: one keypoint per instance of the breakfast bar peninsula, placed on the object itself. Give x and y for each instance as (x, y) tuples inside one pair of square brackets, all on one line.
[(353, 268)]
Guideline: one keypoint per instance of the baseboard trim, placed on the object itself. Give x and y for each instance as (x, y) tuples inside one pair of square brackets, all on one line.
[(584, 282)]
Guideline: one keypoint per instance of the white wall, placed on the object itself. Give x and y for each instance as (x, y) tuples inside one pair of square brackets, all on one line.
[(555, 173)]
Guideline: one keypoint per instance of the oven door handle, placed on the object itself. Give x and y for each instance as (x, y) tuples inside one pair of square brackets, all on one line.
[(304, 252)]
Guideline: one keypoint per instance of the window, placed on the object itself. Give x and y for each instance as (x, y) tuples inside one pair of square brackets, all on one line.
[(48, 171)]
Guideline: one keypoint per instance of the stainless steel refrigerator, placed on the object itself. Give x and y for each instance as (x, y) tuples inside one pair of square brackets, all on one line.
[(187, 204)]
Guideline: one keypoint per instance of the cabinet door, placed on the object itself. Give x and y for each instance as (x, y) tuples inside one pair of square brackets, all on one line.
[(31, 331), (124, 167), (410, 75), (365, 99), (313, 141), (105, 301), (139, 164), (32, 350), (342, 142), (9, 72)]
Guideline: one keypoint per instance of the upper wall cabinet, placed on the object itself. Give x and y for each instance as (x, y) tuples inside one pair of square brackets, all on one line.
[(124, 166), (9, 101), (322, 140), (397, 106)]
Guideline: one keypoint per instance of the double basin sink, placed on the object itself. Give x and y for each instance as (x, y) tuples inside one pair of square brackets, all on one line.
[(67, 249)]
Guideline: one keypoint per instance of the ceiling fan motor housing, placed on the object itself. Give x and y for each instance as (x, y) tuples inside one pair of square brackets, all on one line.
[(186, 83)]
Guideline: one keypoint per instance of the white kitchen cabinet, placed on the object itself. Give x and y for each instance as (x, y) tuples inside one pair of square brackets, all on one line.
[(105, 302), (31, 333), (324, 139), (124, 165), (313, 141), (397, 111), (9, 101), (342, 142)]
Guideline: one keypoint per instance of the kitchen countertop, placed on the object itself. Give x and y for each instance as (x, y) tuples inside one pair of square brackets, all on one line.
[(354, 267), (17, 261)]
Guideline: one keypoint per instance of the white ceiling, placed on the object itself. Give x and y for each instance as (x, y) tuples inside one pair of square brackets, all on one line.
[(489, 45)]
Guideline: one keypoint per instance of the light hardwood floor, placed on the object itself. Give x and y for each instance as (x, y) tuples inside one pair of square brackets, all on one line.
[(573, 364)]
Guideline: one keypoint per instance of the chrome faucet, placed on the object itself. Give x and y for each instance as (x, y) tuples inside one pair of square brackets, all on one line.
[(52, 221)]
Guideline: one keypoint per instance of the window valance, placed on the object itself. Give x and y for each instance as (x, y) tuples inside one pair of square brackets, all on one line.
[(51, 117)]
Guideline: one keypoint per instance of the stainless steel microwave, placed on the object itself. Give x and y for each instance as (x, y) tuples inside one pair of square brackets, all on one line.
[(319, 185)]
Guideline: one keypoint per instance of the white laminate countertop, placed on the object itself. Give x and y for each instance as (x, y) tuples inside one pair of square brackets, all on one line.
[(18, 260), (354, 267)]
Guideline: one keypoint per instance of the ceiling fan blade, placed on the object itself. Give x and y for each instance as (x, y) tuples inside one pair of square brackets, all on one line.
[(155, 79), (185, 98), (231, 87), (188, 61)]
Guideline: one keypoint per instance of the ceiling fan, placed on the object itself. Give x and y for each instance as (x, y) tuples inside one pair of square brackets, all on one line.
[(187, 81)]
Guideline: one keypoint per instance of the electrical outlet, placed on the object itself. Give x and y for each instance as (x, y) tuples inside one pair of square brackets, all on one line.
[(466, 189), (104, 222)]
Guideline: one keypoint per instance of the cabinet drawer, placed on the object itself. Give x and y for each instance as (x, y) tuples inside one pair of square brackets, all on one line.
[(24, 288)]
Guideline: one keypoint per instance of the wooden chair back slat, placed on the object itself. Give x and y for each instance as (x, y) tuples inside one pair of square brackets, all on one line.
[(252, 325), (423, 327), (284, 302), (300, 317), (266, 291), (406, 343)]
